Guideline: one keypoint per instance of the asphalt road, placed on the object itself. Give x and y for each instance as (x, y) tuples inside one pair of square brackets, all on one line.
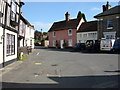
[(55, 68)]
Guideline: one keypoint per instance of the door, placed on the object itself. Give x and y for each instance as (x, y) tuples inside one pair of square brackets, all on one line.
[(61, 44)]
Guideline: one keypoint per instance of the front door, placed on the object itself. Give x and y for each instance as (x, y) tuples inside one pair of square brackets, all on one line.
[(61, 44)]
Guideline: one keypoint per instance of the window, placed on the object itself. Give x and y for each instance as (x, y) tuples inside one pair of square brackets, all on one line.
[(84, 35), (13, 11), (109, 24), (70, 42), (70, 32), (80, 35), (110, 37), (54, 34), (10, 44), (22, 28)]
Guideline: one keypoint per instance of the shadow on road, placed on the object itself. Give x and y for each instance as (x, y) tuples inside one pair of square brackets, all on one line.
[(98, 81), (76, 51)]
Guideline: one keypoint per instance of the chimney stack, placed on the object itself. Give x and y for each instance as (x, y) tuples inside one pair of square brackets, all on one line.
[(67, 15), (106, 7)]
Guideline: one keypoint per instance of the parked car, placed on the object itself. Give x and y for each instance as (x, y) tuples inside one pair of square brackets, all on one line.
[(79, 46), (37, 44), (92, 45), (116, 46)]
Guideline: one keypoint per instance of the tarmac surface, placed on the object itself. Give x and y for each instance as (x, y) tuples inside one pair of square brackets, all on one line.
[(56, 68)]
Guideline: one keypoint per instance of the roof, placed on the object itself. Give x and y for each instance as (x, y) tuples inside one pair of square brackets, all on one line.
[(111, 11), (26, 21), (62, 25), (88, 26)]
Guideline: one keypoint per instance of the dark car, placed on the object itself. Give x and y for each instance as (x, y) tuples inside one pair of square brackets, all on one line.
[(37, 44), (116, 46), (92, 45), (79, 46)]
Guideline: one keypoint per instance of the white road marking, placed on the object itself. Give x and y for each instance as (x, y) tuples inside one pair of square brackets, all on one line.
[(38, 53)]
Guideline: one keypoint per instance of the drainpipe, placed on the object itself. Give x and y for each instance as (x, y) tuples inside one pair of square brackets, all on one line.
[(18, 44), (4, 26)]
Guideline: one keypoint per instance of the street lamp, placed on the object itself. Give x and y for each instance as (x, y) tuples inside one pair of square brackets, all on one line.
[(41, 34)]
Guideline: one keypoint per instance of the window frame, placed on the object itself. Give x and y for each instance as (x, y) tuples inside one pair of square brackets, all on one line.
[(54, 34), (109, 24), (10, 44), (70, 34)]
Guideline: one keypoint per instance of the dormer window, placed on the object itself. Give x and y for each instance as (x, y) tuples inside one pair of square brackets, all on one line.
[(109, 24), (54, 34), (69, 32)]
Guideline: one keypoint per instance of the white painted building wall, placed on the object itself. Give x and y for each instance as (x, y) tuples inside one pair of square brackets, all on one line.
[(32, 36), (82, 37), (1, 45)]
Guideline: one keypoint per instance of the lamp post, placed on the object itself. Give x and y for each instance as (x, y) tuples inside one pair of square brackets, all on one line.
[(41, 34)]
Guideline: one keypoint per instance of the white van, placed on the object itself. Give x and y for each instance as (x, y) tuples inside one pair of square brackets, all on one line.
[(106, 44)]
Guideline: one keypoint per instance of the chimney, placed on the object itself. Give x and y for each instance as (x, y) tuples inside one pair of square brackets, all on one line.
[(106, 7), (67, 15)]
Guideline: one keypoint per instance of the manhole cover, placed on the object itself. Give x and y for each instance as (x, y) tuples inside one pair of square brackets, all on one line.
[(54, 65)]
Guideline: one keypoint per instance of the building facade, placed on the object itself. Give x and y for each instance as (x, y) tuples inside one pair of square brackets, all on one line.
[(9, 26), (109, 22), (87, 31), (12, 31), (63, 33)]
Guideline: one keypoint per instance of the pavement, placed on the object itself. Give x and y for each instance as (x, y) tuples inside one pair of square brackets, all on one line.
[(56, 68)]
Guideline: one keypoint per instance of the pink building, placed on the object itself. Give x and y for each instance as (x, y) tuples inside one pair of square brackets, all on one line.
[(63, 33)]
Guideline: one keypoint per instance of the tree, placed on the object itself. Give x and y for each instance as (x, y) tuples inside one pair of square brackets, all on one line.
[(37, 35), (81, 15)]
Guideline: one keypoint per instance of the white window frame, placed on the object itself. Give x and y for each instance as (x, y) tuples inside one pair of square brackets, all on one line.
[(70, 42), (109, 34), (109, 24), (10, 44), (54, 34), (70, 34), (85, 35)]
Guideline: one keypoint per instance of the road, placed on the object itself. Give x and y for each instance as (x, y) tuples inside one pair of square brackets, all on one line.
[(55, 68)]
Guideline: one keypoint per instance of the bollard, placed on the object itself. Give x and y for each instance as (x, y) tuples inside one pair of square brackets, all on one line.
[(21, 56)]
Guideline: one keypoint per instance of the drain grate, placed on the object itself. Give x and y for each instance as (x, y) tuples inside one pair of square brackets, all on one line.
[(54, 65)]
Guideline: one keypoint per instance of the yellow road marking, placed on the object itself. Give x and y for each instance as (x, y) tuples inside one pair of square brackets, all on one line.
[(38, 63)]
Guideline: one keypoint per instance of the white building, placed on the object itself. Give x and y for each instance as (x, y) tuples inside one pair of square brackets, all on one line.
[(9, 26), (87, 31)]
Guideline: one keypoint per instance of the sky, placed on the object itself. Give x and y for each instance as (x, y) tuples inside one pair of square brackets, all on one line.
[(43, 14)]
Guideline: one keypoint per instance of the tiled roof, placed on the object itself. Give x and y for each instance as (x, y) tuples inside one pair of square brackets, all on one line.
[(62, 25), (112, 11), (88, 26)]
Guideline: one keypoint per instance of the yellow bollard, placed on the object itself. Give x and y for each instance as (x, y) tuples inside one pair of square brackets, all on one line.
[(21, 56)]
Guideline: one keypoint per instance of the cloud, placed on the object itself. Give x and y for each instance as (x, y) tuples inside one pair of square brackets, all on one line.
[(42, 25), (95, 9)]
